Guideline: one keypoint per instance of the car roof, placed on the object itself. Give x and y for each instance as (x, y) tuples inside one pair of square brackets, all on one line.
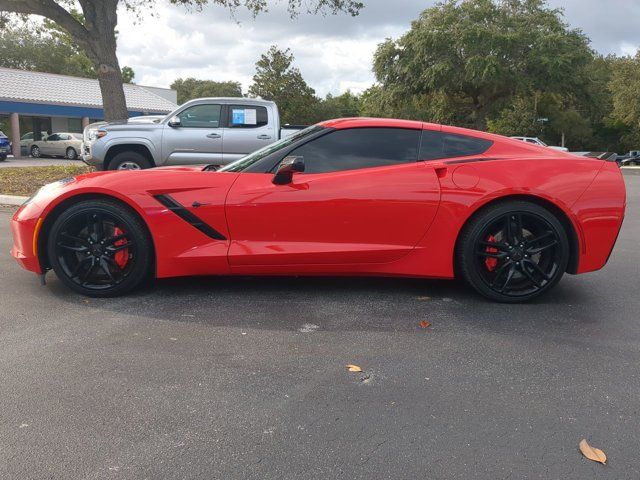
[(360, 122)]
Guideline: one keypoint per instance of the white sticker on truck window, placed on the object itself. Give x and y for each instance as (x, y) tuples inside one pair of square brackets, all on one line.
[(250, 116)]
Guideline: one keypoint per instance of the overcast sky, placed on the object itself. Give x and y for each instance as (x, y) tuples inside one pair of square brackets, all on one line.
[(334, 53)]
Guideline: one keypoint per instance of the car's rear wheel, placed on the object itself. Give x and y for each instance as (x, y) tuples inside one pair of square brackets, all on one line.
[(35, 151), (513, 251), (129, 161), (99, 248), (71, 153)]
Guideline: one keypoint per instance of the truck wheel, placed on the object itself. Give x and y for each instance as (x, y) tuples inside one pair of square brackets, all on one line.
[(3, 157), (129, 161)]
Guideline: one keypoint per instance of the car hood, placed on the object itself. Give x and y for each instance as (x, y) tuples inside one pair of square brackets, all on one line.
[(130, 185)]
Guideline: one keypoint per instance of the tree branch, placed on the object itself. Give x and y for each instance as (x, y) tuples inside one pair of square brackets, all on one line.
[(49, 9)]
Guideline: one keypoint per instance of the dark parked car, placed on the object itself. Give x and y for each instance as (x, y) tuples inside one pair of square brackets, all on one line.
[(5, 146)]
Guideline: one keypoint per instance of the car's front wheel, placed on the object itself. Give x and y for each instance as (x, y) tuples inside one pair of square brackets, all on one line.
[(35, 152), (513, 251), (99, 248)]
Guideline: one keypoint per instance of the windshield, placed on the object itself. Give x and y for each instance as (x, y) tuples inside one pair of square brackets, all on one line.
[(245, 162)]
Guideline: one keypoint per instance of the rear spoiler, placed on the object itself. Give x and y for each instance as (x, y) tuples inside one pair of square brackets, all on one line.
[(608, 156)]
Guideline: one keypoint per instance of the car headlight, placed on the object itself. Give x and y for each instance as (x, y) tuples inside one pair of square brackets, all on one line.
[(94, 134)]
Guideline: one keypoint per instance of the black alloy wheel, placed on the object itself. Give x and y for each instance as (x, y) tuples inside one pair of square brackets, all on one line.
[(99, 248), (514, 252)]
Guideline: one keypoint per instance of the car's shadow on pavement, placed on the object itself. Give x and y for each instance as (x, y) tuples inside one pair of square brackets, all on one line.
[(338, 304)]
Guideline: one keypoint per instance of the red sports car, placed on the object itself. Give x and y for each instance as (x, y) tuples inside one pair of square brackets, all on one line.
[(344, 197)]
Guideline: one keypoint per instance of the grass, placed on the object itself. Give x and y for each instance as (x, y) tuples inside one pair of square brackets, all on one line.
[(27, 180)]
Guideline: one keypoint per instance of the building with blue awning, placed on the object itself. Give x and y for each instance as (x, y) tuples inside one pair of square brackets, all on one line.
[(39, 103)]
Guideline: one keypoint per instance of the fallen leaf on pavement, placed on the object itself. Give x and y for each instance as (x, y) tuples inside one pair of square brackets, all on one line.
[(354, 368), (424, 324), (423, 298), (592, 453)]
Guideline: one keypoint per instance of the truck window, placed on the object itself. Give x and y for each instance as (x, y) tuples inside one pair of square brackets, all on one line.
[(201, 116), (247, 116)]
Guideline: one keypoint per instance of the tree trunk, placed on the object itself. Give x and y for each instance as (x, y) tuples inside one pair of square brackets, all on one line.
[(111, 87), (101, 18)]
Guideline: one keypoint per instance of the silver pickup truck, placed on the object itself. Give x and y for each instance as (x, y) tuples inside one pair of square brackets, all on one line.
[(205, 130)]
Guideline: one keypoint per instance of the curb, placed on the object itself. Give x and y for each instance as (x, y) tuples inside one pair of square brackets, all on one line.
[(12, 200)]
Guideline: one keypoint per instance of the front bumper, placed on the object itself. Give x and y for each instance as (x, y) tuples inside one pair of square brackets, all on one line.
[(24, 227)]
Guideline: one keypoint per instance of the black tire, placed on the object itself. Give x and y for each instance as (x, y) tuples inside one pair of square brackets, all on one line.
[(71, 154), (99, 248), (512, 251), (3, 157), (136, 161), (35, 151)]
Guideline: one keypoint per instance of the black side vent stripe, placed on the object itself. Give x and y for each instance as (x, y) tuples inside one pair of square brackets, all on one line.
[(169, 202)]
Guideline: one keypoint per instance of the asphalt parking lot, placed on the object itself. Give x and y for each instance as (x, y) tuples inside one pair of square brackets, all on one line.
[(236, 378)]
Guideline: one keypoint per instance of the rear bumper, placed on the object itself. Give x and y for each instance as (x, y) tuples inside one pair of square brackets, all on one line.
[(600, 213), (24, 226)]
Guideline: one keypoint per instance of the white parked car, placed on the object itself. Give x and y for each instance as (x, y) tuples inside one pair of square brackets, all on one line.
[(537, 141), (62, 144), (27, 139)]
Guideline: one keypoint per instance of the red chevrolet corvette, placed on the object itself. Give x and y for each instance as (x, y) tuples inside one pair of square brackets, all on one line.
[(344, 197)]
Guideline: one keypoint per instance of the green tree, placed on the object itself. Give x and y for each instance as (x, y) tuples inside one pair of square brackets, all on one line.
[(190, 88), (483, 52), (276, 79), (45, 48), (625, 88), (338, 106), (95, 33)]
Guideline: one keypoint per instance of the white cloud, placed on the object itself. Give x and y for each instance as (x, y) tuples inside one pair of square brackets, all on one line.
[(334, 53)]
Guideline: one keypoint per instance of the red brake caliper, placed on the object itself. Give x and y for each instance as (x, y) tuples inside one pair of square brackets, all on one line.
[(121, 257), (491, 262)]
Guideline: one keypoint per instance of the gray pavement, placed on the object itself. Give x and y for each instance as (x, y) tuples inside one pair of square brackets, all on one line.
[(238, 378)]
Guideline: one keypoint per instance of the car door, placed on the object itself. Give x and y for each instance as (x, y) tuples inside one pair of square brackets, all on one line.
[(195, 138), (363, 198), (247, 129), (49, 145)]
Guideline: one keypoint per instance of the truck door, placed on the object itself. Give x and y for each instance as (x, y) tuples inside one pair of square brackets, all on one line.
[(196, 136), (248, 128)]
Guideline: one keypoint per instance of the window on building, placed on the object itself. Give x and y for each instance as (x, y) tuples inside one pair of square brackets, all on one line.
[(74, 125)]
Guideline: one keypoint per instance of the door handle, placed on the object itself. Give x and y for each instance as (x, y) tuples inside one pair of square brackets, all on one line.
[(264, 137), (214, 135)]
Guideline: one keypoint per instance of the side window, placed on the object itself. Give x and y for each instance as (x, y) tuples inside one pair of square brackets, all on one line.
[(247, 116), (431, 145), (53, 138), (461, 145), (201, 116), (359, 148)]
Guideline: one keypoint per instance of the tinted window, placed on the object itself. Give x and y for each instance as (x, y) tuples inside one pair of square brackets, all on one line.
[(431, 145), (436, 145), (359, 148), (201, 116), (461, 145), (247, 116), (53, 138)]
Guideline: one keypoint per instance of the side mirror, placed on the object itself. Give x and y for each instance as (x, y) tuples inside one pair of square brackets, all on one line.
[(286, 169), (174, 121)]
